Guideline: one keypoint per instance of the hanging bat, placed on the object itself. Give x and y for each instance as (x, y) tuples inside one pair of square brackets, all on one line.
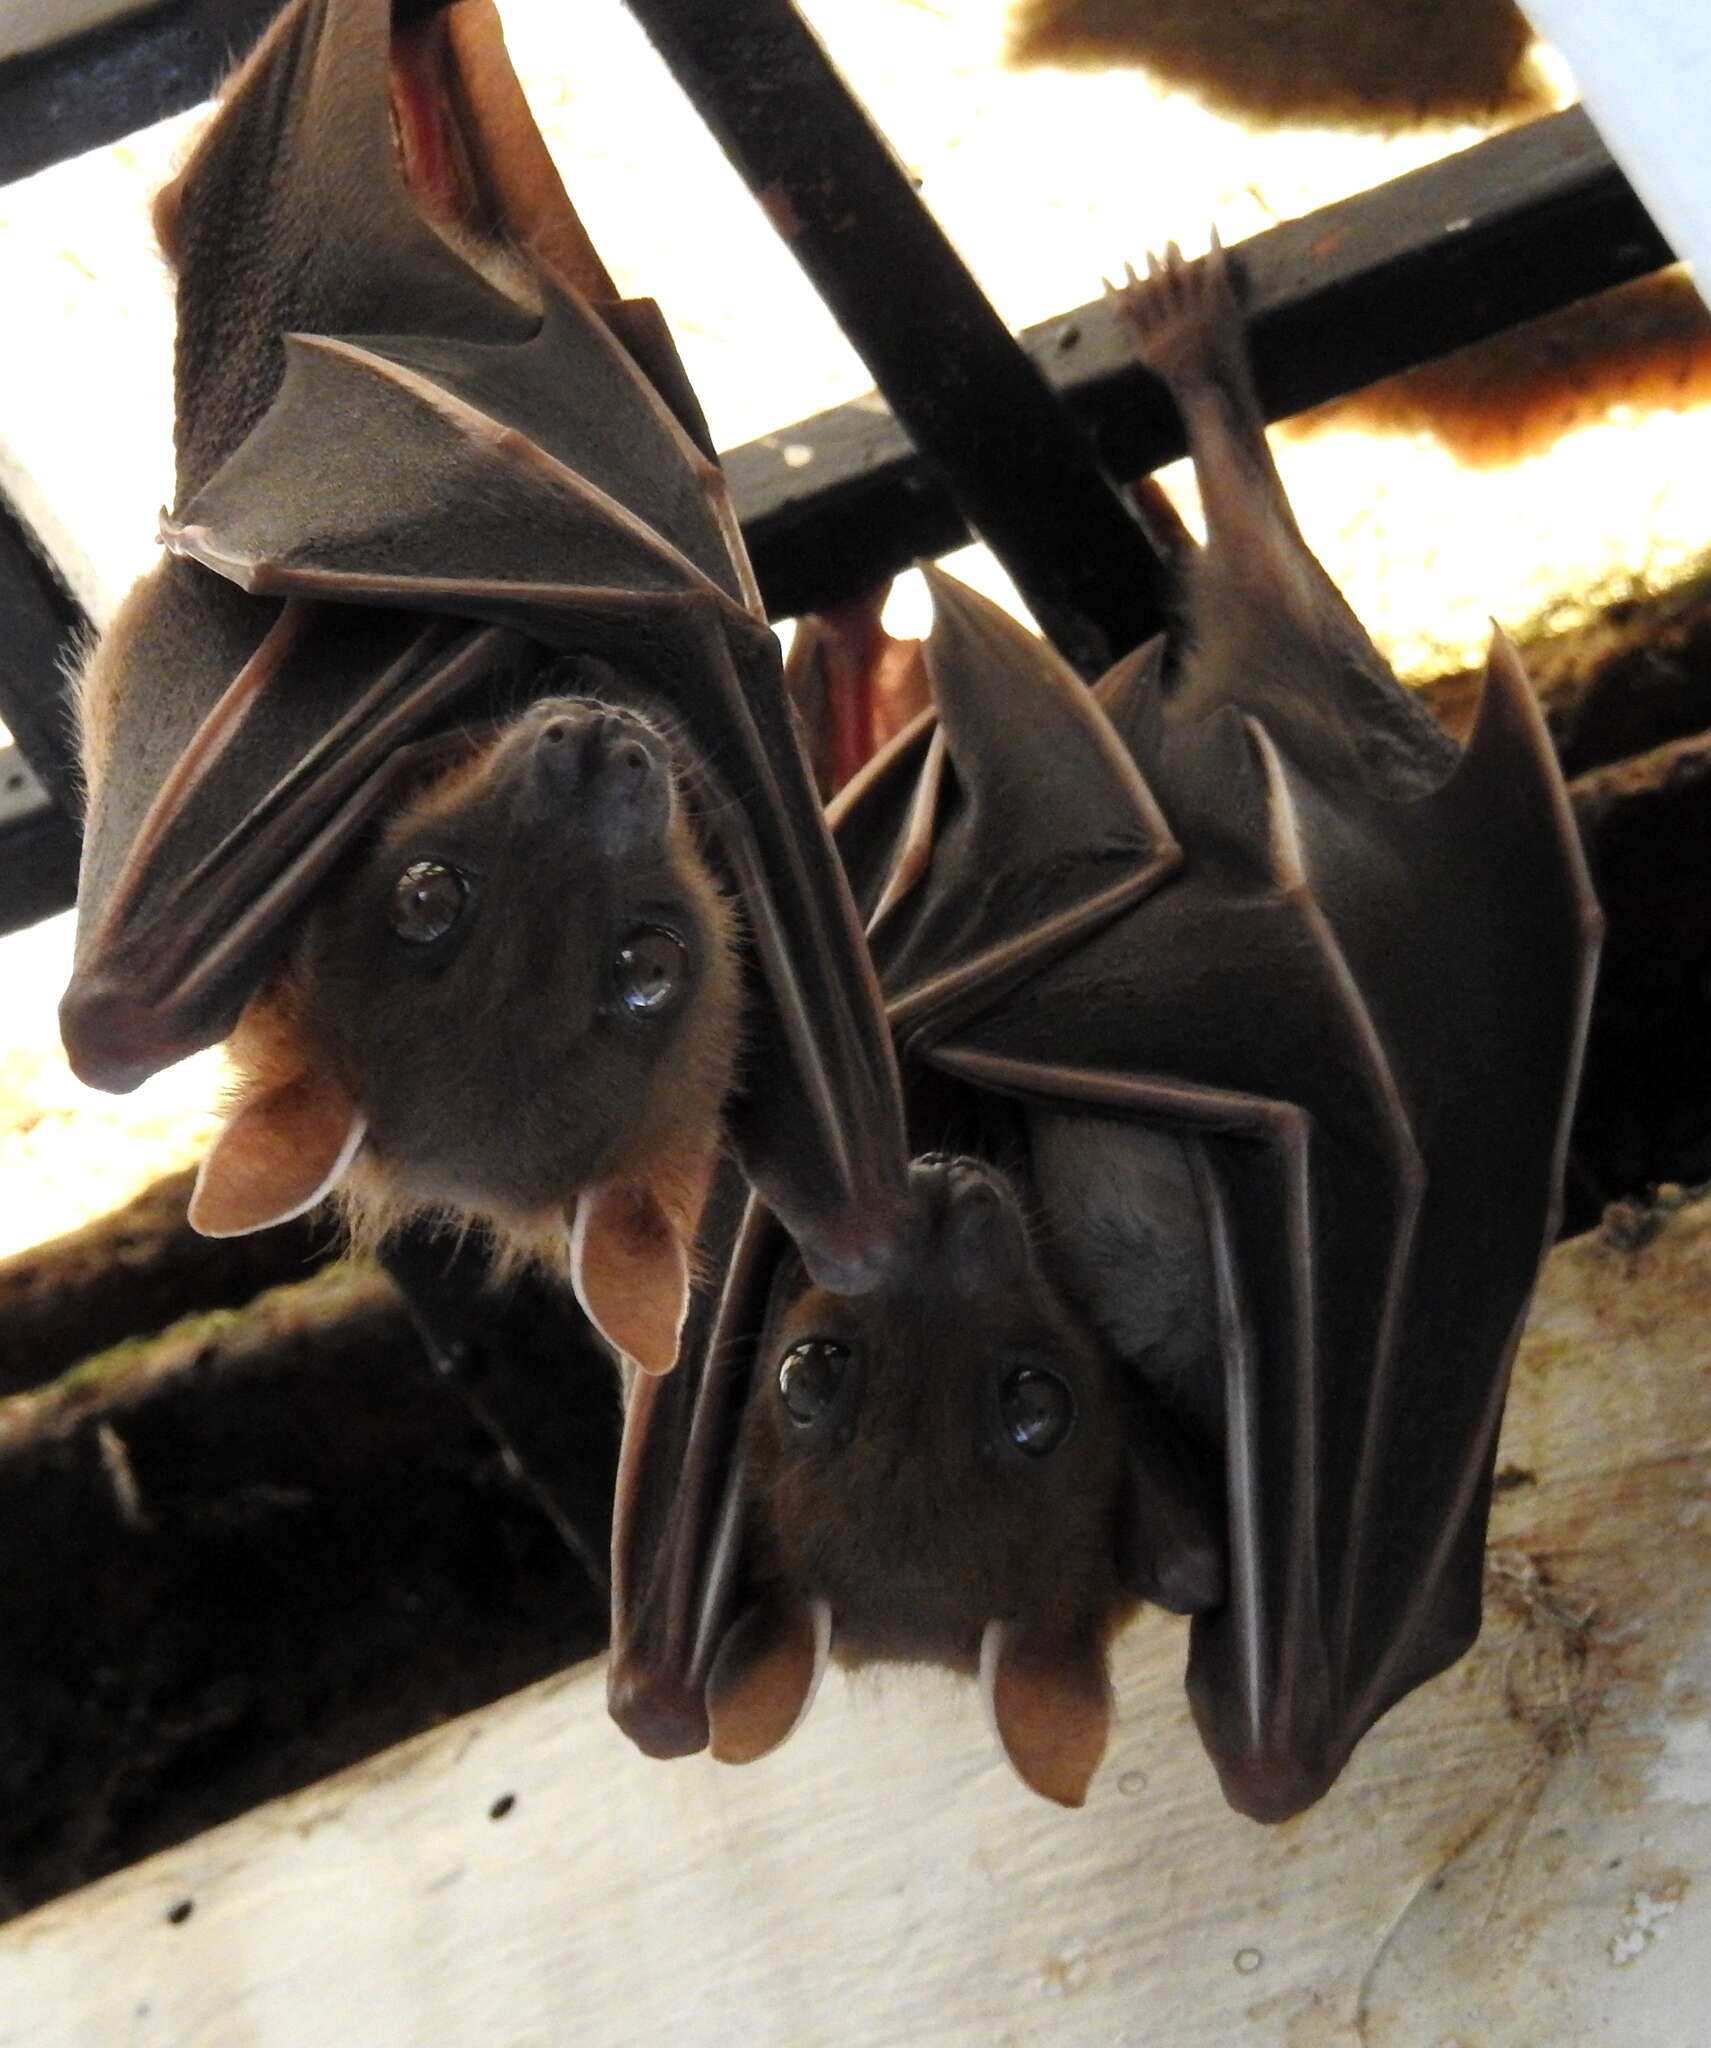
[(1241, 1012), (444, 765)]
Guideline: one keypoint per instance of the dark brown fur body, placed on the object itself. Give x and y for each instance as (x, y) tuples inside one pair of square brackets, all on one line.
[(911, 1513)]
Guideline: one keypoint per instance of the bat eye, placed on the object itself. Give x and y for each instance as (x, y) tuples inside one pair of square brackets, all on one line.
[(651, 967), (1037, 1409), (809, 1378), (427, 900)]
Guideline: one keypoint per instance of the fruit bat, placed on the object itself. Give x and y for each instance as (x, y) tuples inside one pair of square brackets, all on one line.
[(444, 764), (1240, 1012)]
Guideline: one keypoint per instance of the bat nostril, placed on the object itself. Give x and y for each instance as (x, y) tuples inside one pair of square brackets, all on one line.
[(632, 757), (555, 734)]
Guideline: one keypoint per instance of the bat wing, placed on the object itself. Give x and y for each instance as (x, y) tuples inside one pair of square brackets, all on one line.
[(1029, 829), (1369, 1014), (420, 526)]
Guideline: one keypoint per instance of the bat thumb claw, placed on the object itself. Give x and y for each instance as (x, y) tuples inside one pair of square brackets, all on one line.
[(663, 1717)]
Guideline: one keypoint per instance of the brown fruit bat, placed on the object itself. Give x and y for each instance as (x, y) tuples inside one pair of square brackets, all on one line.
[(444, 764), (1243, 1011)]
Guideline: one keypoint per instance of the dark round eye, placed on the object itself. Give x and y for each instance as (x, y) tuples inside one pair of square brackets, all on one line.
[(651, 968), (809, 1378), (1037, 1408), (427, 900)]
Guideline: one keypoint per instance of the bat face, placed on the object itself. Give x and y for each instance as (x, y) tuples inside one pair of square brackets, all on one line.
[(534, 945), (943, 1451), (515, 1005), (946, 1471)]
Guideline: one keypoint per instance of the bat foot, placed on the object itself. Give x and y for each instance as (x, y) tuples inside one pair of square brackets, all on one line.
[(1184, 318)]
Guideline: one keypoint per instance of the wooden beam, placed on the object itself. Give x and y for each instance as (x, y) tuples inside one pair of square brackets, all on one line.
[(1520, 1852), (261, 1545), (1644, 72)]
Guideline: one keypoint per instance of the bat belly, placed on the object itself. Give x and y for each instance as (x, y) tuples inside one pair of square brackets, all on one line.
[(1128, 1242)]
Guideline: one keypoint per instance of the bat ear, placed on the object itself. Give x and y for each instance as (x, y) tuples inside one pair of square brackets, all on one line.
[(630, 1246), (765, 1676), (1049, 1702), (282, 1150)]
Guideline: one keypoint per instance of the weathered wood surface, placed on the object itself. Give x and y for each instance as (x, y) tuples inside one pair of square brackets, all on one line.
[(133, 1272), (260, 1546), (1520, 1854)]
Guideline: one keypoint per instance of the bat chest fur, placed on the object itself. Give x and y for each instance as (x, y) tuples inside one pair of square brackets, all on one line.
[(1129, 1244)]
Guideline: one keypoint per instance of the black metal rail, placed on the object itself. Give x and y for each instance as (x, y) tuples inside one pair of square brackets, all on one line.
[(1500, 233), (110, 81), (41, 626), (38, 847), (1444, 256), (985, 421)]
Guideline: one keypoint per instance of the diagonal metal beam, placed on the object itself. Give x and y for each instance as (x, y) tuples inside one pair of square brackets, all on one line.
[(105, 83), (1499, 233), (38, 848), (985, 421), (41, 627)]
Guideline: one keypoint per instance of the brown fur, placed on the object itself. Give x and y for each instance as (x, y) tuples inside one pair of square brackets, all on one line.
[(517, 1168), (917, 1525), (1385, 64)]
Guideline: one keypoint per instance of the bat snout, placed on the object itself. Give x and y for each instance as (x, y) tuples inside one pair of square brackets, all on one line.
[(976, 1222), (610, 763)]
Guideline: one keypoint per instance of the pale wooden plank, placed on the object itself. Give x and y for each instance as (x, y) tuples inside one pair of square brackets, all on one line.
[(1520, 1854), (1643, 69)]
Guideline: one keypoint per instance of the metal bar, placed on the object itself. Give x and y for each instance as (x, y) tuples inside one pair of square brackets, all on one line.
[(1500, 233), (981, 415), (107, 82), (1497, 234), (41, 627), (38, 848)]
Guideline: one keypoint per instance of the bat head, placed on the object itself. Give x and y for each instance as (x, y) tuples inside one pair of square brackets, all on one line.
[(944, 1470), (529, 945)]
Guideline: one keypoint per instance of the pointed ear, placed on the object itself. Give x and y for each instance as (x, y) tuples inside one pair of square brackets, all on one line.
[(1049, 1703), (765, 1676), (282, 1150), (630, 1245)]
